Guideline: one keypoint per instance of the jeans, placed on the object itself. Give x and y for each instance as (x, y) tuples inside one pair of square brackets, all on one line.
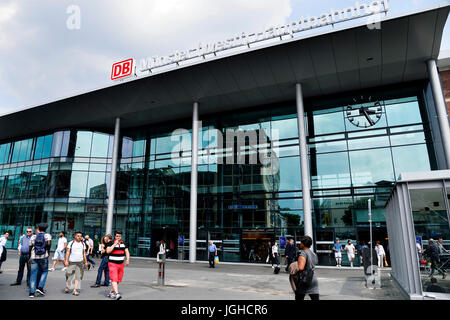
[(39, 269), (103, 268), (23, 260), (212, 256), (88, 258)]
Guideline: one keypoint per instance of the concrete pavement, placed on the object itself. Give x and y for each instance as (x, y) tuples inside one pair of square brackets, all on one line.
[(186, 281)]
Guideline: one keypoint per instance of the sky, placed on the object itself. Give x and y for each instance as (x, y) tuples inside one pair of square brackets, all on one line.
[(51, 49)]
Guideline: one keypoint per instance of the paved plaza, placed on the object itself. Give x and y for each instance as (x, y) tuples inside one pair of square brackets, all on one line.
[(197, 281)]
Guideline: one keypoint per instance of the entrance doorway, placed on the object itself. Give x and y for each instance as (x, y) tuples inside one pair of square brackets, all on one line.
[(254, 245), (170, 237), (324, 246), (379, 233)]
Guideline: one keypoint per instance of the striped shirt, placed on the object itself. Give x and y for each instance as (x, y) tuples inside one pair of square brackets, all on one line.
[(118, 253)]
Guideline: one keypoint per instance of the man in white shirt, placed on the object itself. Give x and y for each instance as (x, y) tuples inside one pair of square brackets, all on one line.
[(59, 253), (3, 241), (75, 261), (350, 248)]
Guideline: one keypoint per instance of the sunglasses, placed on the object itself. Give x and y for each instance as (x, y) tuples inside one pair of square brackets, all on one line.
[(29, 231)]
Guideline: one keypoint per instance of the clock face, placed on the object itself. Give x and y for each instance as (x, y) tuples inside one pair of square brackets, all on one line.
[(364, 113)]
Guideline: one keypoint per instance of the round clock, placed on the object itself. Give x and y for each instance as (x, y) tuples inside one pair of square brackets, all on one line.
[(364, 113)]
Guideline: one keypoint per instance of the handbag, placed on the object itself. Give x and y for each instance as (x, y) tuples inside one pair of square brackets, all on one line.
[(385, 262), (216, 259)]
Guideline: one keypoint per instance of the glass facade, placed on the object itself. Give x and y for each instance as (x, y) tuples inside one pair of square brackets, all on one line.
[(249, 178)]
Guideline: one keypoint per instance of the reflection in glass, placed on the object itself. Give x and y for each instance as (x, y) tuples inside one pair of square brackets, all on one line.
[(411, 159), (371, 167), (83, 144), (330, 170)]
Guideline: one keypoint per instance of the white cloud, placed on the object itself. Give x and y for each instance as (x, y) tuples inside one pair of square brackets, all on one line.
[(42, 60)]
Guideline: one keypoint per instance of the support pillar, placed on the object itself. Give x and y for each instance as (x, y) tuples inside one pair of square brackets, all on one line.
[(112, 184), (441, 109), (304, 161), (193, 204)]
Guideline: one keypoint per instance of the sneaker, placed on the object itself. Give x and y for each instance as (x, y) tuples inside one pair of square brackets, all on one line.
[(40, 291), (51, 269), (31, 295), (273, 267), (15, 284), (105, 285), (64, 269), (111, 295), (89, 267), (95, 285), (118, 296)]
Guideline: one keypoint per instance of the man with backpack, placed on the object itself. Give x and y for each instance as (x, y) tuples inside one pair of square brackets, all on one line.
[(75, 261), (39, 247)]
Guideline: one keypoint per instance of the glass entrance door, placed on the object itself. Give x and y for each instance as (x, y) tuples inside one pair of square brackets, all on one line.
[(324, 245)]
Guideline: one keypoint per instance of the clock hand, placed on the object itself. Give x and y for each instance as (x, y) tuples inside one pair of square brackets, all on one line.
[(364, 111)]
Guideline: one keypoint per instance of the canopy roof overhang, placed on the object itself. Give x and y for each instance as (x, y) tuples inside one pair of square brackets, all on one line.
[(339, 60)]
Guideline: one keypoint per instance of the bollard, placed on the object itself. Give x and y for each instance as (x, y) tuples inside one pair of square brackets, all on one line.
[(161, 259), (161, 275)]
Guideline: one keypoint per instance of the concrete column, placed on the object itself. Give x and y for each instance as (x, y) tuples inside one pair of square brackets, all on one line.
[(193, 207), (112, 183), (304, 161), (441, 109)]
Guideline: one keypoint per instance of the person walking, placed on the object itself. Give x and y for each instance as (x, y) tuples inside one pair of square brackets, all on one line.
[(380, 254), (362, 247), (432, 252), (290, 253), (442, 249), (75, 260), (212, 253), (89, 247), (40, 248), (24, 258), (269, 252), (307, 261), (103, 268), (350, 248), (337, 248), (118, 254), (96, 249), (3, 241), (275, 255), (59, 255)]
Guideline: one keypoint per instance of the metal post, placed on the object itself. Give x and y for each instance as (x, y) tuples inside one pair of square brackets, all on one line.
[(112, 184), (441, 109), (370, 227), (193, 206), (304, 161), (161, 273)]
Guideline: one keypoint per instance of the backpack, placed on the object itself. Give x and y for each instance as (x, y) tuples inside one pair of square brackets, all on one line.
[(39, 244)]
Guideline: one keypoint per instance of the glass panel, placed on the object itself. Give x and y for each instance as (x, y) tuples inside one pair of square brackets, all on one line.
[(431, 222), (96, 188), (4, 153), (285, 129), (83, 144), (39, 147), (354, 144), (411, 159), (371, 167), (100, 145), (403, 113), (289, 175), (330, 171), (330, 146), (410, 138), (330, 122), (78, 184), (46, 151)]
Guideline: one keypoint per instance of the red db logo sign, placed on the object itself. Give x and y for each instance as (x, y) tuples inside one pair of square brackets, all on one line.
[(122, 69)]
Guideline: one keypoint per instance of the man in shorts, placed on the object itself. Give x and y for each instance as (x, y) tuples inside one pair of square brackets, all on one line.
[(118, 252), (337, 247), (350, 248), (75, 261), (59, 253)]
